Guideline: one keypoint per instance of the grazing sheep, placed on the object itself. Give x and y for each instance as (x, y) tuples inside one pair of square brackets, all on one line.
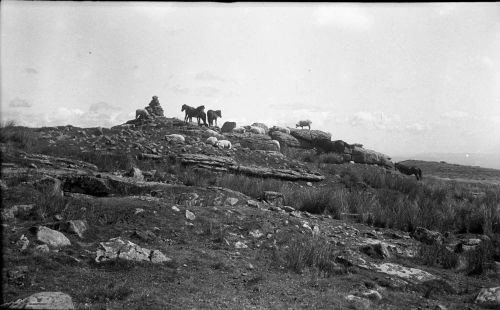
[(280, 129), (303, 124), (211, 140), (239, 130), (175, 138), (277, 143), (257, 130), (141, 113), (212, 116), (223, 144)]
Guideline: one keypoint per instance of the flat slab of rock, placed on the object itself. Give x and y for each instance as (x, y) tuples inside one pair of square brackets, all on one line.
[(413, 275), (43, 300), (228, 164), (118, 248)]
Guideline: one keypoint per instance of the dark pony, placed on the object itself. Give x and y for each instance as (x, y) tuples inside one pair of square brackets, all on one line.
[(409, 170), (212, 115), (191, 112)]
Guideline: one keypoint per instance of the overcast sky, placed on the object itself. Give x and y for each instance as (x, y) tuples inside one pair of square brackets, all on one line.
[(398, 78)]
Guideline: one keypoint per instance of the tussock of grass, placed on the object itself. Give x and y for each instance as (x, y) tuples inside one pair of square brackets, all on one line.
[(308, 251)]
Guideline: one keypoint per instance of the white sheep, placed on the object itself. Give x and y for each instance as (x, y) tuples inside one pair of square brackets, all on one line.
[(211, 140), (141, 113), (239, 130), (280, 129), (175, 138), (224, 144), (303, 124), (277, 143), (257, 130)]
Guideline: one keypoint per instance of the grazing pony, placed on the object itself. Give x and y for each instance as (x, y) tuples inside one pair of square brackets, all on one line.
[(191, 112), (212, 116), (409, 170), (303, 124)]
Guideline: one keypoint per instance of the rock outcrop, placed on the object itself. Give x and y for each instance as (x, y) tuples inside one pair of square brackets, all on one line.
[(253, 141), (154, 108), (123, 249)]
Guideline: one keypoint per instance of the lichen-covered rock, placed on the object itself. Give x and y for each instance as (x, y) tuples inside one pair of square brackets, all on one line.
[(123, 249), (253, 141), (43, 300), (78, 227), (52, 238), (310, 137), (263, 126), (489, 297), (15, 211), (136, 174), (364, 156)]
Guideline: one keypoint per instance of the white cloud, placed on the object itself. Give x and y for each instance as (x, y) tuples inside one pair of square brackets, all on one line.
[(375, 120), (19, 103), (208, 76), (343, 15), (455, 115), (417, 128)]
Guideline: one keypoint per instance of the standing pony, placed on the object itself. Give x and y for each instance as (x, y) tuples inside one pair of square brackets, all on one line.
[(409, 170), (212, 116)]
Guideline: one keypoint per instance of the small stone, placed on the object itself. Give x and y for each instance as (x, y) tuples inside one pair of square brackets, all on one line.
[(240, 245), (315, 231), (288, 208), (250, 266), (32, 165), (78, 227), (175, 209), (190, 215), (372, 295), (58, 217), (309, 184), (296, 214), (231, 201), (253, 204), (138, 210)]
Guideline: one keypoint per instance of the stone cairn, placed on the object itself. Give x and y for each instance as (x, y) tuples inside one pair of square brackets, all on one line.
[(154, 109)]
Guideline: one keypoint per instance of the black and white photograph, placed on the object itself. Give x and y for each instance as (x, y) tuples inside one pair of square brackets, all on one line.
[(250, 155)]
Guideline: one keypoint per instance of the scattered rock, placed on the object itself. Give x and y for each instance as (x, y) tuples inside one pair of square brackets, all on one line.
[(427, 236), (52, 238), (43, 300), (23, 243), (175, 209), (256, 233), (240, 245), (253, 204), (411, 274), (145, 235), (16, 211), (489, 297), (190, 215), (138, 210), (124, 249)]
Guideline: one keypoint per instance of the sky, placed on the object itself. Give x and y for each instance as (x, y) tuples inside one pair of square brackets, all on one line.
[(398, 78)]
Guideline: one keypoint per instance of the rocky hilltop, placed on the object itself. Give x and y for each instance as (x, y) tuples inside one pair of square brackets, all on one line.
[(157, 213)]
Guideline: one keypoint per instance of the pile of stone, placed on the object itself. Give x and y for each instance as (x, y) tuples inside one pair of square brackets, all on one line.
[(154, 108)]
